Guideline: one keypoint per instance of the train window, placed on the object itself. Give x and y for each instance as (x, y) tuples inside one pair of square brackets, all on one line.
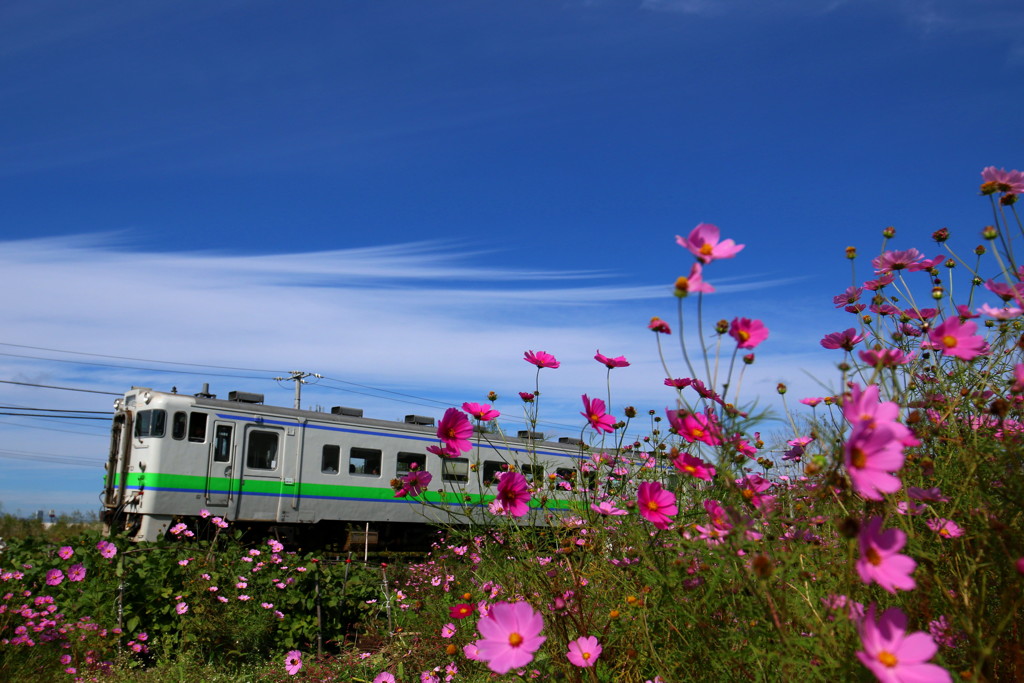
[(178, 425), (330, 461), (222, 444), (531, 472), (455, 469), (405, 461), (491, 469), (197, 427), (364, 461), (262, 451), (150, 423)]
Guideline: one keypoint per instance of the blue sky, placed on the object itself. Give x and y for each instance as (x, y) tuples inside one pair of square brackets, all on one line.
[(405, 196)]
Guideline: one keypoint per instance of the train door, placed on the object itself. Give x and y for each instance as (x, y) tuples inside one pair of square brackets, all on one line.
[(260, 469), (219, 468)]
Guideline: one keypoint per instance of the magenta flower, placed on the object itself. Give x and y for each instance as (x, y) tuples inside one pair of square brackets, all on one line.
[(1000, 180), (874, 448), (593, 410), (694, 282), (511, 634), (513, 495), (693, 466), (414, 483), (896, 260), (747, 333), (54, 577), (448, 630), (293, 662), (703, 242), (607, 508), (65, 552), (659, 325), (1006, 313), (481, 411), (927, 264), (527, 396), (958, 339), (696, 427), (107, 549), (850, 296), (384, 677), (946, 528), (752, 487), (460, 611), (655, 504), (617, 362), (542, 359), (880, 561), (76, 572), (454, 430), (893, 655), (181, 607), (584, 651), (842, 340), (885, 358), (678, 382)]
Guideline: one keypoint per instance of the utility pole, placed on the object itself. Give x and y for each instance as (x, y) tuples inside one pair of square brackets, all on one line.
[(299, 378)]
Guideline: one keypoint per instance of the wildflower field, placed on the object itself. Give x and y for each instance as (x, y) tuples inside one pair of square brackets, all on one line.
[(881, 537)]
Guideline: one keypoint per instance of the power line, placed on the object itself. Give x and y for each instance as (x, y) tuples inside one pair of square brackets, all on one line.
[(50, 386), (57, 417), (127, 367), (139, 360), (22, 425)]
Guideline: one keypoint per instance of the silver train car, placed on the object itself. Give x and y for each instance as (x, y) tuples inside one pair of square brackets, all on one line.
[(299, 474)]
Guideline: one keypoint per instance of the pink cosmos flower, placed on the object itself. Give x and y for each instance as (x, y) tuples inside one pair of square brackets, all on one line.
[(1007, 313), (696, 427), (1000, 180), (703, 242), (874, 448), (842, 340), (542, 359), (455, 430), (946, 528), (584, 651), (293, 662), (896, 260), (893, 655), (527, 396), (849, 296), (76, 572), (678, 382), (932, 495), (1004, 291), (694, 282), (927, 264), (655, 504), (593, 410), (513, 494), (107, 549), (747, 333), (1018, 378), (511, 634), (880, 561), (181, 607), (54, 577), (65, 552), (752, 487), (693, 466), (481, 411), (414, 483), (384, 677), (610, 363), (607, 508), (958, 339), (659, 325), (885, 358), (812, 401), (448, 630), (875, 285)]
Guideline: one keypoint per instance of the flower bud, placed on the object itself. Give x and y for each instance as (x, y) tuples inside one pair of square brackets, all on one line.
[(941, 235), (990, 232), (1008, 199), (781, 388), (630, 411), (980, 251), (851, 253), (722, 326), (889, 232), (492, 396), (937, 293), (748, 359)]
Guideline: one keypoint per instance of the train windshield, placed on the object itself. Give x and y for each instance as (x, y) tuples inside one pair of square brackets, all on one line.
[(150, 423)]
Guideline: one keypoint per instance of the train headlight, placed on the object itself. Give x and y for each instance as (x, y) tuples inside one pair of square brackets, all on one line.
[(147, 397)]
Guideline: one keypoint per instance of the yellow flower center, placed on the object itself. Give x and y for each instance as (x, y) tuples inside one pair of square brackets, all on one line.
[(705, 249), (586, 655), (873, 556), (887, 658), (515, 640), (743, 335), (690, 469), (748, 494), (949, 341), (652, 505), (858, 458)]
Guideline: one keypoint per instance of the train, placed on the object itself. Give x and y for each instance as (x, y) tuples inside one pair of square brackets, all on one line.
[(306, 476)]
